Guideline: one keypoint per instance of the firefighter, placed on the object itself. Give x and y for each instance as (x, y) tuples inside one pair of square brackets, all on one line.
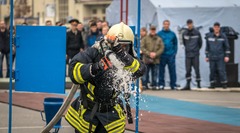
[(192, 42), (98, 109), (217, 54)]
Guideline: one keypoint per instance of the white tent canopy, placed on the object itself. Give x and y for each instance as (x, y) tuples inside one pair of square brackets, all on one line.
[(203, 12)]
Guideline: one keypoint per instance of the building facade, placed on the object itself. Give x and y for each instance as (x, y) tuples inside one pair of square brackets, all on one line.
[(38, 11)]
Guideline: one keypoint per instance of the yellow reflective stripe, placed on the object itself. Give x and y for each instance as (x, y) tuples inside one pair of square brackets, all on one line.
[(77, 73), (76, 116), (115, 124), (84, 123), (75, 123), (119, 111), (119, 129), (91, 88), (119, 121), (134, 67), (89, 96)]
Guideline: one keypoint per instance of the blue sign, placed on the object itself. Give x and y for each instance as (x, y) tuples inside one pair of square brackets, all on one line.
[(40, 59)]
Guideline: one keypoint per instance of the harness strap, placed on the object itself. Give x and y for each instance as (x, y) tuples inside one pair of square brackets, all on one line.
[(94, 110)]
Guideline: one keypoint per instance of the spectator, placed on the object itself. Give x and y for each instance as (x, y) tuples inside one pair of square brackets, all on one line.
[(105, 30), (192, 41), (217, 54), (99, 25), (58, 23), (152, 47), (143, 32), (93, 34), (168, 57), (80, 28), (4, 48), (105, 23), (48, 23), (74, 40)]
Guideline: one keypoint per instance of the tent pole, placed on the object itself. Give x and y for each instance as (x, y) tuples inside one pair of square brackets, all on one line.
[(121, 10), (138, 53), (126, 12), (10, 69)]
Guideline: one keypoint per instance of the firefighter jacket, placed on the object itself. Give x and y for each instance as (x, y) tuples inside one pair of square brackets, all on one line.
[(98, 89), (192, 41), (217, 47)]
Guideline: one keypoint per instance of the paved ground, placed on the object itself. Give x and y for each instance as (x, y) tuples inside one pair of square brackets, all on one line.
[(219, 98), (26, 121)]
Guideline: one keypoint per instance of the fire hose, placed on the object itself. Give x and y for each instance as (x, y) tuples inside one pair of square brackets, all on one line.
[(62, 109)]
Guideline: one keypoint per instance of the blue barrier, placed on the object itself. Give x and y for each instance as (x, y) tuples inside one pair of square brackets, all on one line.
[(51, 107), (40, 59)]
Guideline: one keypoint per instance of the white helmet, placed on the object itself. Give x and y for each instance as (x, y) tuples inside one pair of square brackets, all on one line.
[(124, 34)]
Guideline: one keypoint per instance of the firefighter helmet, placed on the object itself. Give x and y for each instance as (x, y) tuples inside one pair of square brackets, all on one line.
[(124, 34), (122, 31)]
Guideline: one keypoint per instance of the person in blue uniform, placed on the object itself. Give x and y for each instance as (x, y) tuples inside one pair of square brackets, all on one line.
[(192, 42), (217, 54)]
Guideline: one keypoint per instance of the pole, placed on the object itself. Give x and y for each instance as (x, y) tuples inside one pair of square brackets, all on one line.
[(126, 12), (121, 10), (138, 53), (10, 69)]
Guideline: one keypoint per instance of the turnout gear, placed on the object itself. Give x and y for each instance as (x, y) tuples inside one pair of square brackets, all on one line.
[(98, 108)]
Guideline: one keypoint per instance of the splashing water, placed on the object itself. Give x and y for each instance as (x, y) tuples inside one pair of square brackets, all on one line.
[(122, 78)]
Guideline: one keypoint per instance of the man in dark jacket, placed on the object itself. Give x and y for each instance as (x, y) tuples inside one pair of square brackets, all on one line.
[(74, 40), (169, 54), (99, 109), (4, 48), (193, 42), (217, 54)]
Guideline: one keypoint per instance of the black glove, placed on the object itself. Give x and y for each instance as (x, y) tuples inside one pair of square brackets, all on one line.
[(103, 65)]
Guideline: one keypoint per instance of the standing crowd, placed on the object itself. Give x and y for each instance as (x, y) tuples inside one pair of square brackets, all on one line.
[(159, 49)]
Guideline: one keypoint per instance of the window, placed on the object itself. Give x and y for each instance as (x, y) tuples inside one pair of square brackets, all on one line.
[(94, 11), (63, 10), (103, 11)]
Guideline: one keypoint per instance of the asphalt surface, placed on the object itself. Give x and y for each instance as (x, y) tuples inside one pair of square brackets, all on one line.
[(27, 121)]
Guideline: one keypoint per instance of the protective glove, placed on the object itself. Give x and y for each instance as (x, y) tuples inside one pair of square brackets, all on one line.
[(103, 65), (117, 49), (113, 41)]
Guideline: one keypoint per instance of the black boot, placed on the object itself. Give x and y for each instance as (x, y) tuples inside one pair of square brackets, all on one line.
[(198, 84), (187, 87), (212, 85), (224, 85)]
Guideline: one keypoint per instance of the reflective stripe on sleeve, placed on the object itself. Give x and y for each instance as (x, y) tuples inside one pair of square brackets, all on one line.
[(133, 67), (77, 73)]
